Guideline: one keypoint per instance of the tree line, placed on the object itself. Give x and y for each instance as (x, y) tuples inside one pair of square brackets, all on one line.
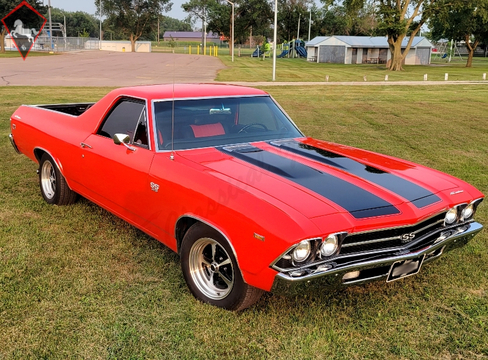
[(398, 20)]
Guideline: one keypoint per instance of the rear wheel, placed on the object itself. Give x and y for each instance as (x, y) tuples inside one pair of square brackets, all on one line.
[(54, 188), (211, 270)]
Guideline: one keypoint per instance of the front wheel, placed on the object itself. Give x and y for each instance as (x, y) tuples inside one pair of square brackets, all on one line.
[(211, 270), (54, 188)]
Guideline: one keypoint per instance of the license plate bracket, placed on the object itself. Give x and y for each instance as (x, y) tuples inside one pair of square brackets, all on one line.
[(404, 268)]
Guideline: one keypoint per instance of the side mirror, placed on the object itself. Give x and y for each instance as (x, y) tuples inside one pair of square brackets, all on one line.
[(123, 139)]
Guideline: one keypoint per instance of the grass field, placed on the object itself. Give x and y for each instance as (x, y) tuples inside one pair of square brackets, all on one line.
[(76, 282), (15, 54), (246, 68)]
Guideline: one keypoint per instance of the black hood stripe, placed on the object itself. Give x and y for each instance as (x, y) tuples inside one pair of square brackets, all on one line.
[(359, 202), (414, 193)]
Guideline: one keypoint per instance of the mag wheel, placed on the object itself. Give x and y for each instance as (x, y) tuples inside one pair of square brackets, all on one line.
[(54, 188), (211, 270)]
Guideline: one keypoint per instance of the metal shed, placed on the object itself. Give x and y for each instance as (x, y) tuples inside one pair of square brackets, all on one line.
[(364, 50)]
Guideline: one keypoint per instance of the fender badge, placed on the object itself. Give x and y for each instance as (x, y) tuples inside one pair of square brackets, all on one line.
[(259, 237), (457, 192), (154, 187)]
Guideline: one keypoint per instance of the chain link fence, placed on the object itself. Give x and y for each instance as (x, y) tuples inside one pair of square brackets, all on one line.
[(62, 44)]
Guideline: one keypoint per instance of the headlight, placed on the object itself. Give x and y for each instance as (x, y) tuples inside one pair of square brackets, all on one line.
[(467, 212), (329, 246), (451, 216), (302, 251)]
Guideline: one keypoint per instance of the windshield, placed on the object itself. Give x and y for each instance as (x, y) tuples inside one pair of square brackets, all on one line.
[(220, 121)]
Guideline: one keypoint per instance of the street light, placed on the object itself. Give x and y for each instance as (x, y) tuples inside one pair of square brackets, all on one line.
[(275, 37), (232, 36)]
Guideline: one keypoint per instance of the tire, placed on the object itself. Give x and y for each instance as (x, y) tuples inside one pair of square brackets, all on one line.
[(211, 270), (54, 188)]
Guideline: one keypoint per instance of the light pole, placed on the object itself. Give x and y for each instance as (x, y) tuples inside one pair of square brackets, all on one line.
[(50, 25), (100, 9), (232, 35), (275, 37), (309, 24)]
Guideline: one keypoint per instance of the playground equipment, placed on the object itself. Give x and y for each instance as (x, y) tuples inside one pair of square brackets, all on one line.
[(257, 52), (294, 48)]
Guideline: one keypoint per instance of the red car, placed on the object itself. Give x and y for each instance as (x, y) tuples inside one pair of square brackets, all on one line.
[(221, 175)]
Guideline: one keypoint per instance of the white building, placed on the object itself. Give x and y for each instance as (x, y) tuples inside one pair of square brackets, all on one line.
[(364, 50)]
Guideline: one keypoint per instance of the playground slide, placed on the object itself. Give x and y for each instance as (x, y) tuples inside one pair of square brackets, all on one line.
[(256, 53), (283, 54), (301, 51)]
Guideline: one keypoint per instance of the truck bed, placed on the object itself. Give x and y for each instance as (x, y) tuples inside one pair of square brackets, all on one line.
[(70, 109)]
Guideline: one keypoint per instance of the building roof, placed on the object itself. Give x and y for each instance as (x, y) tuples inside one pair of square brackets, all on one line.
[(189, 34), (316, 40), (365, 41)]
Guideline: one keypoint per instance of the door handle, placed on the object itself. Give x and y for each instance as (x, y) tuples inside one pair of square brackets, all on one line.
[(83, 145)]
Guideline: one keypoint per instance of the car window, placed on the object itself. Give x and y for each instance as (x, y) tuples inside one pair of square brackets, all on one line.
[(219, 121), (127, 117)]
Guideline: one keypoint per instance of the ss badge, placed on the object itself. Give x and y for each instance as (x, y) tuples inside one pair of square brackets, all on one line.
[(407, 237)]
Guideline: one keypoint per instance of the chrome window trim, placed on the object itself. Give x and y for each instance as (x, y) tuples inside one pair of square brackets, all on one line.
[(111, 106)]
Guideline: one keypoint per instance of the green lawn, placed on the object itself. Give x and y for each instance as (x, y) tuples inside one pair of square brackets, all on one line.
[(76, 282), (16, 54), (246, 68)]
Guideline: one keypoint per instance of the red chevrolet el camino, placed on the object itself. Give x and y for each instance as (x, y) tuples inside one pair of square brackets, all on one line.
[(222, 176)]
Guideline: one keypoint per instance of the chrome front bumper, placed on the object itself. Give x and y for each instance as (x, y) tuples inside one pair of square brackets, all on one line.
[(11, 138), (372, 270)]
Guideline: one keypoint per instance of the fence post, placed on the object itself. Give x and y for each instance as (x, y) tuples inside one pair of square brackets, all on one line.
[(198, 49), (189, 49)]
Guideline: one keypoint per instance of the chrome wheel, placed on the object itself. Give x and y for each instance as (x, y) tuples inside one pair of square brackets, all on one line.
[(48, 179), (211, 268)]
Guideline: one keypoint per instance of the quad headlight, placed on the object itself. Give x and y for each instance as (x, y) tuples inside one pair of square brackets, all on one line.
[(467, 212), (451, 216), (330, 246), (302, 251), (461, 212)]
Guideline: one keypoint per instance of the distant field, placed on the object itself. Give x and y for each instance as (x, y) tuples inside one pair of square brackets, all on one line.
[(76, 282)]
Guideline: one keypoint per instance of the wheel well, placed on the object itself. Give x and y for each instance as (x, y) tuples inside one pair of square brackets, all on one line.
[(38, 154), (182, 226)]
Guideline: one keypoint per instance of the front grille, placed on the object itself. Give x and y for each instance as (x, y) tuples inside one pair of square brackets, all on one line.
[(402, 237)]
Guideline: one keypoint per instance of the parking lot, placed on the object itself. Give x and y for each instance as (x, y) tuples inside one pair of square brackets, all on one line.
[(105, 68)]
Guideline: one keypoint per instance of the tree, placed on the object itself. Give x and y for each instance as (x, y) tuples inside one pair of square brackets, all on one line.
[(465, 20), (77, 23), (6, 6), (255, 14), (133, 18), (396, 20), (289, 12), (336, 20)]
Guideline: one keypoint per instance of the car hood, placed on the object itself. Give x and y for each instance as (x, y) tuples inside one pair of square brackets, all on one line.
[(319, 178)]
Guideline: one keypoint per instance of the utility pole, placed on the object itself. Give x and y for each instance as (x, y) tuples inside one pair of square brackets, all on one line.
[(275, 37), (309, 24), (100, 9), (232, 36), (50, 25)]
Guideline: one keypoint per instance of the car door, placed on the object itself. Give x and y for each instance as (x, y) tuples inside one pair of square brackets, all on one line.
[(116, 176)]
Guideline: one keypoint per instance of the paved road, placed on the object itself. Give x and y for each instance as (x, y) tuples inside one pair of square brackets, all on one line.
[(104, 68)]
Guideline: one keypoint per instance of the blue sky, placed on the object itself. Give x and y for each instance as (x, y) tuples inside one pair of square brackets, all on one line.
[(89, 7)]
